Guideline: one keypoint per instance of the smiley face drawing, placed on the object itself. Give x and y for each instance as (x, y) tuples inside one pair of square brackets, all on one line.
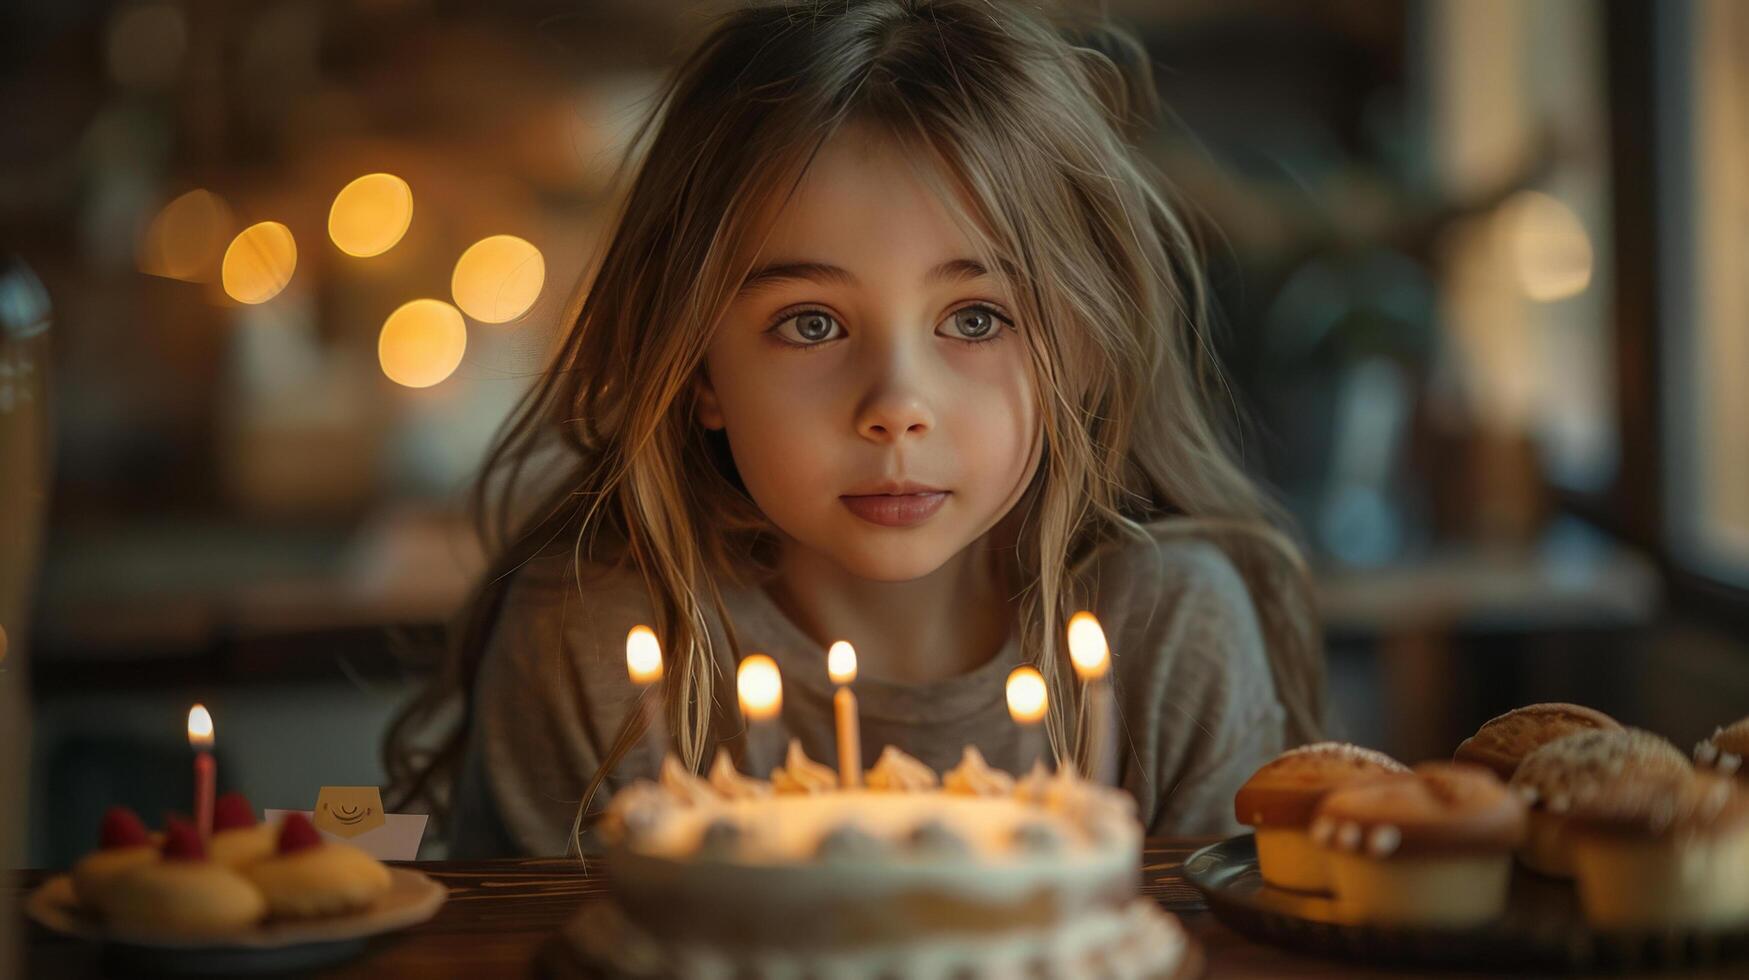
[(347, 811)]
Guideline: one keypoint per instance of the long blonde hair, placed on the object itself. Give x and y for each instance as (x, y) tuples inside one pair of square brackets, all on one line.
[(1027, 121)]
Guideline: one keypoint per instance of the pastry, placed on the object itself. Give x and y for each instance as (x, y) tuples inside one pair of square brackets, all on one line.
[(1726, 749), (182, 894), (1663, 850), (307, 877), (1570, 769), (1279, 798), (122, 844), (238, 838), (1432, 849), (1503, 742)]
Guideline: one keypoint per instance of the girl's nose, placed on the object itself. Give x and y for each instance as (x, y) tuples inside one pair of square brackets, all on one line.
[(895, 408)]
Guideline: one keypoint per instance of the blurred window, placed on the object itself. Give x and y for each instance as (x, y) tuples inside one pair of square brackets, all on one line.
[(1703, 99)]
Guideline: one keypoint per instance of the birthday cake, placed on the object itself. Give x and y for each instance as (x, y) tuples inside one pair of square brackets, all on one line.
[(969, 874)]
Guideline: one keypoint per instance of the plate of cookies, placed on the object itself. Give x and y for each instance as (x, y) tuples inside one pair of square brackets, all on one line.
[(1554, 839), (250, 897)]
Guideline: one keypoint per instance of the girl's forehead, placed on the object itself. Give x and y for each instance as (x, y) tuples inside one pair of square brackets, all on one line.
[(864, 195)]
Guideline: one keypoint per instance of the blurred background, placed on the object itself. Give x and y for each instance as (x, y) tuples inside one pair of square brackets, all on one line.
[(272, 273)]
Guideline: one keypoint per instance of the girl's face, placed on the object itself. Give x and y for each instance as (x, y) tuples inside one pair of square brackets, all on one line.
[(875, 394)]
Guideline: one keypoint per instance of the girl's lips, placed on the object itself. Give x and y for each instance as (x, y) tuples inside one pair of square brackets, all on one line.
[(896, 510)]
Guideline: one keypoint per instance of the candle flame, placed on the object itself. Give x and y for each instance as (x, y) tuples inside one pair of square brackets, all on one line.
[(1087, 649), (1026, 695), (841, 662), (760, 687), (643, 656), (200, 727)]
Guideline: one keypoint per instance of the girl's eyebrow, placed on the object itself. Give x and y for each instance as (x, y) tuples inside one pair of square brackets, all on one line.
[(951, 271)]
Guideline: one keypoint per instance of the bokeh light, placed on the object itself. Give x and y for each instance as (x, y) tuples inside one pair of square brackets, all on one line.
[(1550, 252), (422, 343), (187, 237), (498, 278), (370, 214), (259, 262)]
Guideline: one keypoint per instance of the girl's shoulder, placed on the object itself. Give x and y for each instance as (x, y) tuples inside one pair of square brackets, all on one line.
[(1174, 605), (1173, 557)]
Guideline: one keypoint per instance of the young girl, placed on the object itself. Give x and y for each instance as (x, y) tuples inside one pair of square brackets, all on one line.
[(896, 342)]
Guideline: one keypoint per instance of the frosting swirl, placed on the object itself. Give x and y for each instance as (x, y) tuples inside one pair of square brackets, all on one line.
[(974, 777), (683, 786), (896, 772), (731, 785), (800, 774)]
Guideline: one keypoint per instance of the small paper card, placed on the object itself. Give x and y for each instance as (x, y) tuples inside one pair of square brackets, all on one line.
[(354, 815)]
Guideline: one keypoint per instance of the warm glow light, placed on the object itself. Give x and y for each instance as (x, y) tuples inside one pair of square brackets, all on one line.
[(200, 727), (841, 662), (1026, 695), (259, 262), (186, 238), (422, 343), (1087, 649), (497, 279), (370, 214), (643, 656), (760, 687), (1550, 252)]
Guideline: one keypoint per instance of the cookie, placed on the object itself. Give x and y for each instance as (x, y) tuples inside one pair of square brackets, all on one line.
[(182, 894), (122, 843), (307, 877)]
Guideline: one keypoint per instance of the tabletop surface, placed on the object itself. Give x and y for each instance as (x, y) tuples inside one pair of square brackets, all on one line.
[(501, 912)]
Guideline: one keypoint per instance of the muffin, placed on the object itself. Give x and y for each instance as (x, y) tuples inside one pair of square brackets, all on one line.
[(1663, 851), (183, 894), (1503, 742), (1569, 770), (122, 843), (1433, 849), (307, 877), (238, 838), (1725, 750), (1279, 798)]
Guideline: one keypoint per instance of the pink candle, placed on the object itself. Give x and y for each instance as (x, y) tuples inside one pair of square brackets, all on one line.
[(206, 775)]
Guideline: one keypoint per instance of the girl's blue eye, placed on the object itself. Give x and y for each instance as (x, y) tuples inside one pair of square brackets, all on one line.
[(972, 325), (810, 327)]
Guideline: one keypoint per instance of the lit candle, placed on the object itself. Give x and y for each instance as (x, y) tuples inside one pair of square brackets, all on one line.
[(1092, 659), (841, 665), (1027, 700), (644, 667), (200, 739), (760, 688)]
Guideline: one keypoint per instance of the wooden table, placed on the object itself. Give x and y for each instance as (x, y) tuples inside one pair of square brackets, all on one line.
[(499, 914)]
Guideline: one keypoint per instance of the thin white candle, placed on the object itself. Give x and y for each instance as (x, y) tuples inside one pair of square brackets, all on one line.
[(841, 665), (1091, 656)]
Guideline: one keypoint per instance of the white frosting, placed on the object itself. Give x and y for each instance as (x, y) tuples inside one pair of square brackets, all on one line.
[(683, 785), (974, 777), (1035, 786), (800, 774), (897, 772), (731, 785)]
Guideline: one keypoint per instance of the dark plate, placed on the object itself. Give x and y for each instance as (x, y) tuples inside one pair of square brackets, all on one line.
[(1543, 928)]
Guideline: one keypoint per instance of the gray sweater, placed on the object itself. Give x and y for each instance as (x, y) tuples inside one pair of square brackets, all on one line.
[(1197, 706)]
